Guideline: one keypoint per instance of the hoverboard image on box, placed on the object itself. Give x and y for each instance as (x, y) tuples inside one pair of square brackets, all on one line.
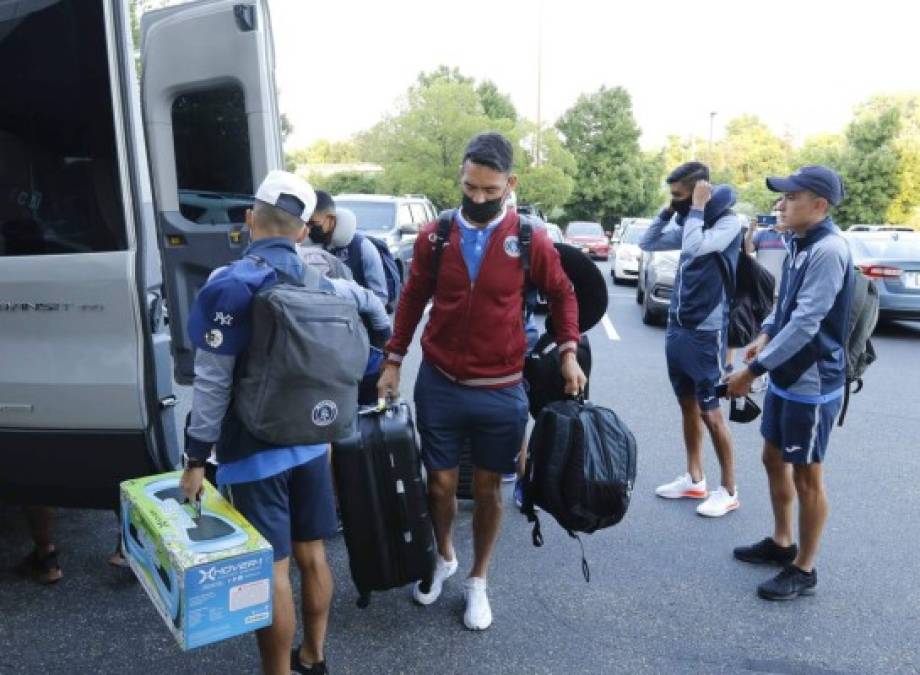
[(204, 532)]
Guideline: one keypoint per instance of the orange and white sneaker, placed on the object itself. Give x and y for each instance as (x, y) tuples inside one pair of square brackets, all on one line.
[(683, 487), (719, 503)]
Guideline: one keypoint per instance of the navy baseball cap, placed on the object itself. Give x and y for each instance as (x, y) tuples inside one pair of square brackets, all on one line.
[(819, 179)]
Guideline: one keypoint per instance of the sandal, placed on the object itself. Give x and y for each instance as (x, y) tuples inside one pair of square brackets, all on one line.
[(298, 666), (42, 568), (118, 559)]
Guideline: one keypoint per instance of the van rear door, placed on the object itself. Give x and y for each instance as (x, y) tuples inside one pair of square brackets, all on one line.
[(79, 409), (213, 132)]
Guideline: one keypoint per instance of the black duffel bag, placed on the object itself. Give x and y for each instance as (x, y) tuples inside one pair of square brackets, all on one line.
[(542, 375)]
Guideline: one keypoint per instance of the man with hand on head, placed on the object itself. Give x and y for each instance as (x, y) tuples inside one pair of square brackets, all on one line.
[(699, 222)]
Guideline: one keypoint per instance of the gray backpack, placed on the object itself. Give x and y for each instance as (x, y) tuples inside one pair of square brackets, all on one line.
[(860, 353), (298, 383)]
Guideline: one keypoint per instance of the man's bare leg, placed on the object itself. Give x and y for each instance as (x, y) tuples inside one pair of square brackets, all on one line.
[(316, 587)]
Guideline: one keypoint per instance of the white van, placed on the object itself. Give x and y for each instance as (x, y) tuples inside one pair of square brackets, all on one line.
[(112, 199)]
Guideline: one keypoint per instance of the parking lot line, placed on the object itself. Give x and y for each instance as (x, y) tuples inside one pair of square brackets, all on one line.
[(611, 331)]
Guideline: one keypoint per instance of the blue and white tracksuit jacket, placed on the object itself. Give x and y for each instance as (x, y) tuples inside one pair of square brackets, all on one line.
[(806, 355)]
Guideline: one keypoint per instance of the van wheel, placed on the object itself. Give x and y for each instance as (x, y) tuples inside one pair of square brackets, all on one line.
[(640, 295)]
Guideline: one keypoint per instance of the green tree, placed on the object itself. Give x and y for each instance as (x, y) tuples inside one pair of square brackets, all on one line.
[(495, 104), (905, 206), (342, 183), (613, 178), (442, 73), (748, 154), (421, 146), (870, 167), (825, 149), (550, 184)]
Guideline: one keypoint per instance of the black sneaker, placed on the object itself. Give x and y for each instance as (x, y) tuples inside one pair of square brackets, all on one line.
[(767, 552), (297, 665), (789, 584)]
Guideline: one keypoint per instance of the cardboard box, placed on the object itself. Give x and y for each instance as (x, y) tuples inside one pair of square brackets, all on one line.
[(210, 577)]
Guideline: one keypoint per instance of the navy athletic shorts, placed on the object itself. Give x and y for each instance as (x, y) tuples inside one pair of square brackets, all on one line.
[(449, 413), (800, 430), (695, 359), (294, 505)]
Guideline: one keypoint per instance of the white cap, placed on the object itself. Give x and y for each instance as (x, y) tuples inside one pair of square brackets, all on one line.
[(289, 193)]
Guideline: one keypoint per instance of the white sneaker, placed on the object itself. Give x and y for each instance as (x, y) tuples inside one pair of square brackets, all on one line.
[(719, 503), (683, 486), (443, 570), (478, 614)]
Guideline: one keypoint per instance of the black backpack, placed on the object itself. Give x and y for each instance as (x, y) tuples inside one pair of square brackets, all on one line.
[(581, 468), (390, 268), (542, 371), (750, 298), (860, 353)]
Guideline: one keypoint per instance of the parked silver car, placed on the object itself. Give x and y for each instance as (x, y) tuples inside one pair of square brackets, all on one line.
[(655, 282), (892, 260)]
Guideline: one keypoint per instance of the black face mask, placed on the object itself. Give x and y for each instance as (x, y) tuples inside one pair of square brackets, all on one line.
[(317, 236), (743, 410), (484, 212)]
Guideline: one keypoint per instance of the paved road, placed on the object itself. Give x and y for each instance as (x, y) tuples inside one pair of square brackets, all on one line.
[(665, 595)]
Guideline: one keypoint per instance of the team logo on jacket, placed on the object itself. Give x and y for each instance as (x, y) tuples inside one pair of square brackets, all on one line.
[(214, 338), (512, 247), (324, 413), (800, 259)]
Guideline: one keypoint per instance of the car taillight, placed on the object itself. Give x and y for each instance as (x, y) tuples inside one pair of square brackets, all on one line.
[(880, 271)]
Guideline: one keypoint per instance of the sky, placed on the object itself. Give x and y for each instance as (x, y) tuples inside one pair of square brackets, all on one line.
[(801, 66)]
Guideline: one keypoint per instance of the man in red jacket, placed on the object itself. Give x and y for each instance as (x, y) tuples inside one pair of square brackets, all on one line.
[(470, 385)]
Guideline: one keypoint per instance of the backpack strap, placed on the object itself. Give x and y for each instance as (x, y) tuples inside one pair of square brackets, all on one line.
[(445, 220), (311, 278)]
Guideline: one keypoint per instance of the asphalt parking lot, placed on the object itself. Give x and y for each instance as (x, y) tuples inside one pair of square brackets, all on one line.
[(665, 594)]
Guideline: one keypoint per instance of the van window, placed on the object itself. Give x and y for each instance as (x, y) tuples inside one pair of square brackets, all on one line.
[(213, 165), (59, 186)]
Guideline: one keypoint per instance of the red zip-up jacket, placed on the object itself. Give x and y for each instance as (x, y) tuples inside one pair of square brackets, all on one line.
[(475, 332)]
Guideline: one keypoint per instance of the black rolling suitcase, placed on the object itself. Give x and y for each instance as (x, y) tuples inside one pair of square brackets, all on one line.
[(383, 503)]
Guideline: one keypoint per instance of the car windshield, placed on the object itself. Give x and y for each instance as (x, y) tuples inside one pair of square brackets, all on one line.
[(585, 230), (633, 235), (555, 234), (900, 247), (371, 215)]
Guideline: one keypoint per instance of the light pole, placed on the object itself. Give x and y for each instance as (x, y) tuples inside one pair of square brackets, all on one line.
[(712, 117), (539, 136)]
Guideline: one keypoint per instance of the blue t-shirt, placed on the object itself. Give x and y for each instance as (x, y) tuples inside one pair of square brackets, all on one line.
[(475, 241)]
